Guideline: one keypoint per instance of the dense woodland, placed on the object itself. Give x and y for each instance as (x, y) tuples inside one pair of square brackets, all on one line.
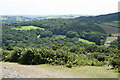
[(72, 29), (56, 42)]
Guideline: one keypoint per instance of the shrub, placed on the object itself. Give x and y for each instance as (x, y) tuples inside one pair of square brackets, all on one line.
[(93, 64), (69, 64), (9, 48), (14, 56), (115, 63), (5, 55), (26, 57), (101, 58), (36, 60), (100, 63)]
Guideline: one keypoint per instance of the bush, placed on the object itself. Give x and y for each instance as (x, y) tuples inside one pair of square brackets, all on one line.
[(93, 64), (101, 58), (26, 57), (69, 64), (115, 63), (5, 55), (36, 60), (14, 56), (69, 56)]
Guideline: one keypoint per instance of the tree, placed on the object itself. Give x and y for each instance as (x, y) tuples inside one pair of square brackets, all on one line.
[(71, 34), (46, 34)]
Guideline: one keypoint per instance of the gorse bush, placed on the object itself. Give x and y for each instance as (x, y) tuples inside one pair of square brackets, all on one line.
[(69, 64), (70, 57), (6, 55), (26, 57), (14, 56)]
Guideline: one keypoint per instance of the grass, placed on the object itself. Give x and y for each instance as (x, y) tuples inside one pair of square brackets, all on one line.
[(78, 72), (109, 29), (85, 71), (86, 41), (38, 36), (111, 38), (107, 44), (27, 28), (59, 36), (113, 24)]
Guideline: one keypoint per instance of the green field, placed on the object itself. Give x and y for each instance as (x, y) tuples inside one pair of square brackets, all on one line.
[(86, 41), (109, 29), (59, 36), (113, 24), (111, 39), (27, 28), (63, 36)]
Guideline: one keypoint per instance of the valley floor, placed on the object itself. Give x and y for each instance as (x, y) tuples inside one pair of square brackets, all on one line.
[(15, 70)]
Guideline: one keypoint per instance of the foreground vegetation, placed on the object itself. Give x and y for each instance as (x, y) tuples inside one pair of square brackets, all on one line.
[(75, 56), (59, 71)]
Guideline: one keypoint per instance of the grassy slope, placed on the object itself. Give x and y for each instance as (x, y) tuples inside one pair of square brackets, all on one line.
[(85, 71), (59, 36), (49, 71), (27, 28), (111, 38), (86, 41), (63, 36), (113, 24), (109, 29)]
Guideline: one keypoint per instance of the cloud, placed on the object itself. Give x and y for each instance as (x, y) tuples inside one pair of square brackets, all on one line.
[(45, 7)]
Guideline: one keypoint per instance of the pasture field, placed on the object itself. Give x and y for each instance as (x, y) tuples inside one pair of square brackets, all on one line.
[(27, 28), (109, 29), (59, 36), (118, 34), (111, 38), (113, 24), (86, 41)]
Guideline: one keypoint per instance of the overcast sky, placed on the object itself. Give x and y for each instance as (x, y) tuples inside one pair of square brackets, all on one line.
[(52, 7)]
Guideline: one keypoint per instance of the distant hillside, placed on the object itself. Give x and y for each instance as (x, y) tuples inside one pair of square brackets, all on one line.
[(15, 19), (25, 18), (101, 18), (60, 31), (108, 22)]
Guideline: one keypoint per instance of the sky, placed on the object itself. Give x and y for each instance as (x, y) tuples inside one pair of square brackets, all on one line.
[(58, 7)]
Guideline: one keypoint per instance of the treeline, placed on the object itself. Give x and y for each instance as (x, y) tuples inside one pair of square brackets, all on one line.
[(91, 55), (16, 19), (101, 18)]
